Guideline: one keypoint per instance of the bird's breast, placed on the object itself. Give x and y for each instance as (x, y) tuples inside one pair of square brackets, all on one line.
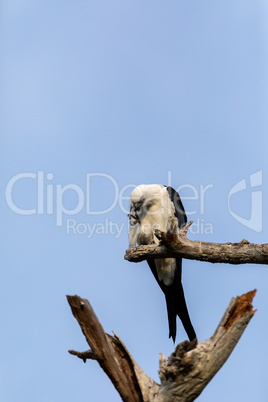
[(149, 224), (146, 234)]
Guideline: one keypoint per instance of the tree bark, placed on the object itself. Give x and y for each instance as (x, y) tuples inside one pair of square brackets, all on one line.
[(178, 245), (183, 375), (109, 351)]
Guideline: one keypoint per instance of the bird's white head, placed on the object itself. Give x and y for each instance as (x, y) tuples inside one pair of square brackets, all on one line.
[(146, 194)]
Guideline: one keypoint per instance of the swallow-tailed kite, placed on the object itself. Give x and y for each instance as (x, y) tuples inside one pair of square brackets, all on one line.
[(152, 207)]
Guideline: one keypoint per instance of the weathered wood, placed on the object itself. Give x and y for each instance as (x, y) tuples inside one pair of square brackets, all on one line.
[(88, 354), (129, 379), (178, 245), (186, 372)]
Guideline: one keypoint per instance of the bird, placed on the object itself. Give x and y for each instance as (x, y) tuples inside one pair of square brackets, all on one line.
[(156, 206)]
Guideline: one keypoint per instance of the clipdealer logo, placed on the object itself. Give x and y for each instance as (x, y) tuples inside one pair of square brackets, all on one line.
[(49, 198), (52, 199), (254, 222)]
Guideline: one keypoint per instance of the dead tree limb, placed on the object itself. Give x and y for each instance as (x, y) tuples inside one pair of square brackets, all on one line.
[(186, 372), (128, 378), (178, 245)]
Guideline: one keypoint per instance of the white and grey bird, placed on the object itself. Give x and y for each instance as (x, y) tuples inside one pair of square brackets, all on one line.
[(155, 206)]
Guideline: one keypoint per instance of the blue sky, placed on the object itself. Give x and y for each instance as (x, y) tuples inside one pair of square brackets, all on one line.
[(97, 97)]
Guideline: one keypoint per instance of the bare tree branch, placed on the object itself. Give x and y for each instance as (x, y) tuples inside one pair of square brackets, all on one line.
[(185, 375), (128, 378), (178, 245), (88, 354), (186, 372)]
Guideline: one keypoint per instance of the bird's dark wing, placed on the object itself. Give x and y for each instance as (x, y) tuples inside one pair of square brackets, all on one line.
[(179, 209)]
